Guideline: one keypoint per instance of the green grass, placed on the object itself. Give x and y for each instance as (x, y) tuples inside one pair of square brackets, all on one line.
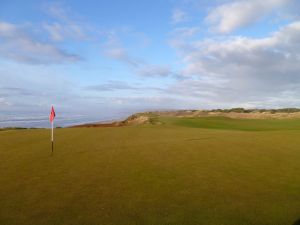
[(226, 123), (176, 173)]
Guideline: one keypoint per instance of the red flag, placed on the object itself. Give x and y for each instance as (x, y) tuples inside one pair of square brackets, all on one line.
[(52, 114)]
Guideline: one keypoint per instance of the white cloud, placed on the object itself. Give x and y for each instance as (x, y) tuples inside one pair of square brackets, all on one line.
[(250, 70), (115, 85), (278, 52), (55, 30), (112, 86), (178, 16), (119, 53), (154, 71), (236, 14), (114, 50), (64, 26), (60, 32), (185, 32), (19, 45), (4, 102)]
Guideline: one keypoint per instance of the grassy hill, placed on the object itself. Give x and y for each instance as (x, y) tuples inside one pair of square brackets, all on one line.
[(208, 170)]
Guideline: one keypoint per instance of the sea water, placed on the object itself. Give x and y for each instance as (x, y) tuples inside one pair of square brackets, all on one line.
[(42, 121)]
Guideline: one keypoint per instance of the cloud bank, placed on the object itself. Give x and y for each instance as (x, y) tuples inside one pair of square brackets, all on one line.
[(248, 69)]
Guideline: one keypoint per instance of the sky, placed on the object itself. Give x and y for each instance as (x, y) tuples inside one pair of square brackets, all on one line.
[(108, 58)]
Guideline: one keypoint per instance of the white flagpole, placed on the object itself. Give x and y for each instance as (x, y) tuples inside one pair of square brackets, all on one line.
[(52, 135)]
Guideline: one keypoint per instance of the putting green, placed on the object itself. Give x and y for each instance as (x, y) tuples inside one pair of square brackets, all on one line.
[(181, 172)]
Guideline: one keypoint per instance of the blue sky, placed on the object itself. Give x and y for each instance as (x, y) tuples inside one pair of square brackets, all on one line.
[(98, 58)]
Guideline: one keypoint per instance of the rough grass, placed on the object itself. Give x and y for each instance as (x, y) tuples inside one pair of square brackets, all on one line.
[(176, 173)]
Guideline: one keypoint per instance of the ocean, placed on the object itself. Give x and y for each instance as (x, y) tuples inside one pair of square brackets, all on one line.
[(42, 121)]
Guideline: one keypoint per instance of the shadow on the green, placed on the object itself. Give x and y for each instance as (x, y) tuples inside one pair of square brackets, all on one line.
[(297, 222)]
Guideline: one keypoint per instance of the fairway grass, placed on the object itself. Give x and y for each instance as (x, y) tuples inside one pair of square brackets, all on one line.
[(210, 171)]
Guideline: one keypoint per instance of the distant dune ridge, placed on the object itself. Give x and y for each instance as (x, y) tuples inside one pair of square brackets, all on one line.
[(151, 117)]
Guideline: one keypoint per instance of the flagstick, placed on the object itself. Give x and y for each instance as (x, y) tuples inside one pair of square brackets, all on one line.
[(52, 135)]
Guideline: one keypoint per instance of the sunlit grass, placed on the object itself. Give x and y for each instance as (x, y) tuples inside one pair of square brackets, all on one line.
[(176, 173)]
